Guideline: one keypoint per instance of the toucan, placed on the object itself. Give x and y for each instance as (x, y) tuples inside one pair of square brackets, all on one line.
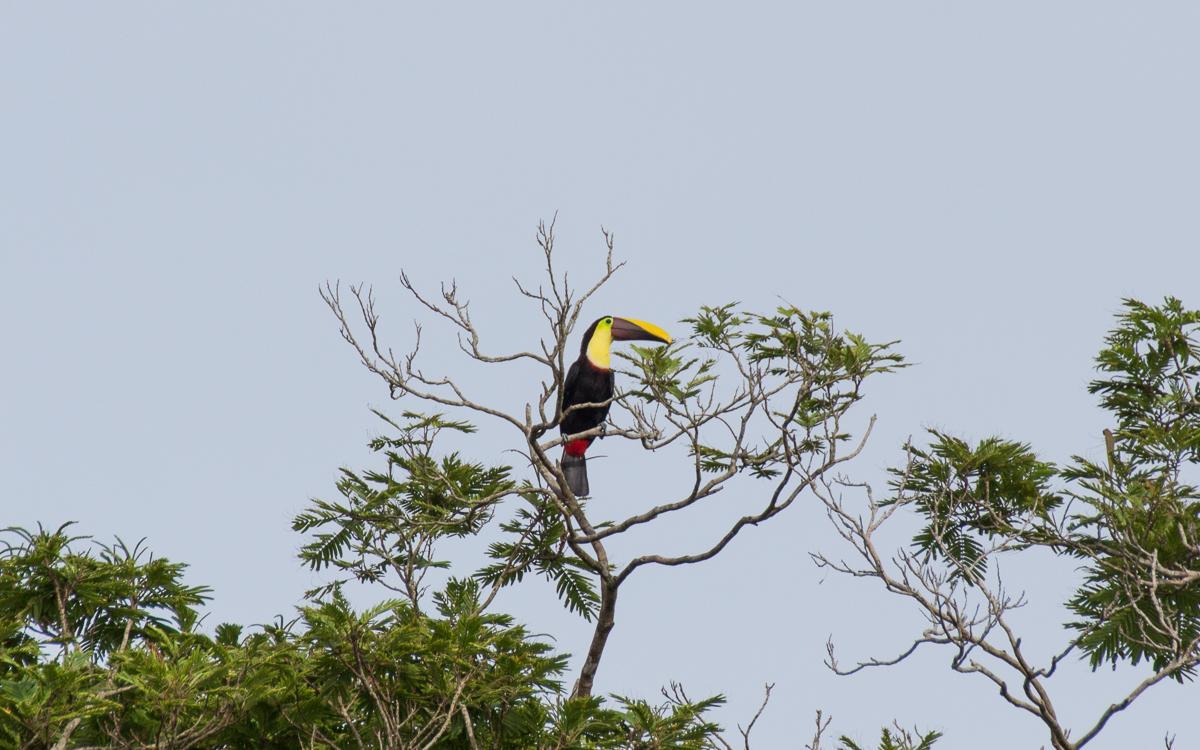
[(589, 381)]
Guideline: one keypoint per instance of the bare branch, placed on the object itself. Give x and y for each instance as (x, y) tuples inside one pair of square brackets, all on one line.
[(754, 720), (822, 725)]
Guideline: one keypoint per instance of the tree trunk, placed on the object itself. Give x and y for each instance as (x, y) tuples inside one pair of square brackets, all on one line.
[(605, 620)]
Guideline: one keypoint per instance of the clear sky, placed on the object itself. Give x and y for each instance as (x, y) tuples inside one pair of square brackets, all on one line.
[(984, 181)]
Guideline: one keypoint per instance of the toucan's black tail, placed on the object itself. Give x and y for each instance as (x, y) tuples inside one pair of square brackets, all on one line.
[(575, 470)]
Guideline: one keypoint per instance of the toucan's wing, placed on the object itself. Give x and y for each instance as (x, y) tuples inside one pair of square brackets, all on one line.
[(569, 385)]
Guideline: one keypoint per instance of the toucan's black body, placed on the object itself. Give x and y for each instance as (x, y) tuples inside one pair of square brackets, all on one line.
[(586, 384), (589, 382)]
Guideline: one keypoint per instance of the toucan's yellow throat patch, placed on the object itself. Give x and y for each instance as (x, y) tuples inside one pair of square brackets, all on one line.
[(599, 348)]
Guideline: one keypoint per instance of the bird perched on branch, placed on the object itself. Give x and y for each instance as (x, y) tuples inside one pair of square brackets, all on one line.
[(590, 381)]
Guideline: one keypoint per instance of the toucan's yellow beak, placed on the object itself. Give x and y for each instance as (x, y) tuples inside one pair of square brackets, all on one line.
[(628, 329)]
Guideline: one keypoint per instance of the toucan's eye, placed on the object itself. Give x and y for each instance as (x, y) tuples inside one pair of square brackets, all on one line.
[(608, 321)]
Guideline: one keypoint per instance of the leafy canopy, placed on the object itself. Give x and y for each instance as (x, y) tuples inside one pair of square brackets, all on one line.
[(1134, 517)]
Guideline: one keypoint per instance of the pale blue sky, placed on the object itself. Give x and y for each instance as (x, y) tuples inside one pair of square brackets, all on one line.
[(982, 181)]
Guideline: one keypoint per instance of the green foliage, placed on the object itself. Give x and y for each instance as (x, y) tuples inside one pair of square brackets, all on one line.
[(1140, 527), (389, 520), (899, 739), (87, 600), (1134, 519), (665, 375), (99, 648), (387, 527), (537, 542), (793, 365), (971, 494), (677, 723), (390, 663), (1151, 366), (387, 676)]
